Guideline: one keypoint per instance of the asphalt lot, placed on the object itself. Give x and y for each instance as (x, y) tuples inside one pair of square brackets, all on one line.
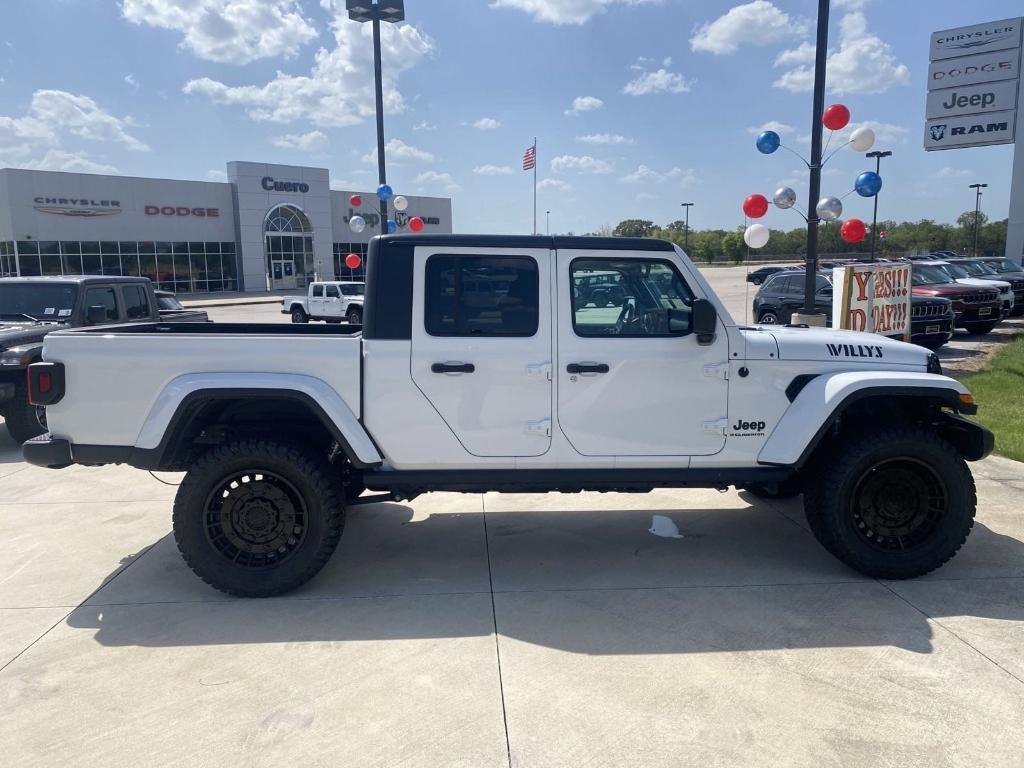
[(490, 630)]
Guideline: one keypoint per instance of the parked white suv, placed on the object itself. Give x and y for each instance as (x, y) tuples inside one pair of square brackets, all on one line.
[(494, 363), (332, 301)]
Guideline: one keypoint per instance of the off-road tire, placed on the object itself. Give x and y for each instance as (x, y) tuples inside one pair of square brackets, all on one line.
[(202, 531), (21, 417), (299, 315), (980, 329), (838, 500), (769, 317), (355, 316)]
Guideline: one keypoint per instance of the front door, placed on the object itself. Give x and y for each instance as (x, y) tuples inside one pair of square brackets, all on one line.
[(629, 383), (481, 345)]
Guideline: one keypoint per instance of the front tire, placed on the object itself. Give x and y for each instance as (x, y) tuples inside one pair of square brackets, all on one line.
[(258, 518), (24, 420), (893, 505), (299, 315)]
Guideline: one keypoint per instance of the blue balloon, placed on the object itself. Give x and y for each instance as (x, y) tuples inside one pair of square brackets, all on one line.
[(392, 226), (768, 142), (384, 192), (868, 184)]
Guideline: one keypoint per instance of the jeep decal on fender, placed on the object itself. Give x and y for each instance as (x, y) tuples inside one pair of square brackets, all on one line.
[(747, 428)]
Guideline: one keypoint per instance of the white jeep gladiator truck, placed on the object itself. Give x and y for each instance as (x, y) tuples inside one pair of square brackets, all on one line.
[(331, 301), (484, 365)]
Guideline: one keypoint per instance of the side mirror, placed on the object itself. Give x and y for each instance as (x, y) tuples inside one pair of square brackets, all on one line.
[(705, 321), (96, 314), (826, 291)]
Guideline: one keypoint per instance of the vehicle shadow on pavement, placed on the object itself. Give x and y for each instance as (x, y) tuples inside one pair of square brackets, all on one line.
[(10, 451), (592, 582)]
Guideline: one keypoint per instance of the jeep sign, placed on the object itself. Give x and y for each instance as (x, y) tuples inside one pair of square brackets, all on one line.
[(973, 99)]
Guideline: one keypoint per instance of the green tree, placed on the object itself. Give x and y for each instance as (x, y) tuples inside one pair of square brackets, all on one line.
[(966, 219), (733, 247), (634, 228)]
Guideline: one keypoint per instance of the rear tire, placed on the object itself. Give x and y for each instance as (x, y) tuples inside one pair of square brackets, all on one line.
[(299, 315), (355, 316), (894, 504), (980, 329), (24, 420), (756, 280), (258, 518), (769, 317)]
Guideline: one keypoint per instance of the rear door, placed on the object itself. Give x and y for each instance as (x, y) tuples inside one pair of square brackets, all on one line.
[(481, 345), (628, 384)]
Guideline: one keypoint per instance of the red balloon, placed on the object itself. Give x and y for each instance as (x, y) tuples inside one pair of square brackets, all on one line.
[(755, 206), (853, 231), (352, 261), (355, 201), (416, 224), (836, 117)]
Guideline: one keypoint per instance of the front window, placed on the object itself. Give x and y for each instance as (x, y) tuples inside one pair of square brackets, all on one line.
[(333, 292), (55, 301), (103, 297), (627, 297)]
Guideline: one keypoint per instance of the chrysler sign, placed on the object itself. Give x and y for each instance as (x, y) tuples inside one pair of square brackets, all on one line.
[(979, 38)]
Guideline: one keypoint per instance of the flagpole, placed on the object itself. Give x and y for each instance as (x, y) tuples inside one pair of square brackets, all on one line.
[(535, 185)]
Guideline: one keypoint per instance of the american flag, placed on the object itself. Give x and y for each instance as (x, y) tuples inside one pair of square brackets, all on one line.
[(530, 159)]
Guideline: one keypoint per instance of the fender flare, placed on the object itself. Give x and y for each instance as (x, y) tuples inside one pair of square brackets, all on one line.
[(822, 400), (180, 394)]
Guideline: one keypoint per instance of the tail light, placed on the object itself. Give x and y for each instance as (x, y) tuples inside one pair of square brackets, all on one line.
[(45, 383)]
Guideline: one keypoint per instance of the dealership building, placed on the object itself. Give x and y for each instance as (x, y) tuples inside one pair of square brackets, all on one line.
[(269, 227)]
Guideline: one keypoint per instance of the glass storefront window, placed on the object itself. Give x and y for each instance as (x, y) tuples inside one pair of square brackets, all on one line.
[(111, 264), (50, 264), (108, 247), (49, 247)]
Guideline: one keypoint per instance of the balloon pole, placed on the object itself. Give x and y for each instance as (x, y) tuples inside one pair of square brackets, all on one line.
[(820, 63), (535, 185)]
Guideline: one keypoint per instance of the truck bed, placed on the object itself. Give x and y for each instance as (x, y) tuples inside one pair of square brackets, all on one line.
[(119, 378)]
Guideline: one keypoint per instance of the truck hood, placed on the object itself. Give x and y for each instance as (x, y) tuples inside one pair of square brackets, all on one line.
[(14, 334), (827, 344), (983, 282)]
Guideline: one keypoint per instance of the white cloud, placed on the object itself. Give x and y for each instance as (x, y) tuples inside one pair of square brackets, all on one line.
[(659, 81), (953, 173), (563, 11), (339, 90), (772, 125), (864, 63), (36, 139), (556, 185), (214, 175), (130, 79), (486, 124), (802, 54), (424, 125), (398, 152), (604, 138), (584, 104), (645, 175), (307, 142), (429, 180), (755, 23), (228, 31), (493, 170), (577, 164)]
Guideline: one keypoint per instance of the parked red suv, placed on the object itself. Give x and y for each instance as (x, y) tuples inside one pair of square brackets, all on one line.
[(977, 309)]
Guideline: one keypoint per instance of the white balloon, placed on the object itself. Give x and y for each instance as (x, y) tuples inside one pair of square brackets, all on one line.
[(829, 208), (400, 203), (357, 224), (862, 139), (756, 236), (784, 198)]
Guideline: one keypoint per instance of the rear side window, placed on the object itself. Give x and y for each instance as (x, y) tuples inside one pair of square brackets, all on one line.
[(482, 296), (136, 302), (318, 291), (103, 297), (775, 285)]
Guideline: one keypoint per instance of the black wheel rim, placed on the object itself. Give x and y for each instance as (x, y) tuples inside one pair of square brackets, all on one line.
[(769, 319), (255, 519), (898, 504)]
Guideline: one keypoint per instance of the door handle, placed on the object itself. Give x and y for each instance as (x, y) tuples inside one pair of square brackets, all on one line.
[(587, 368), (453, 368)]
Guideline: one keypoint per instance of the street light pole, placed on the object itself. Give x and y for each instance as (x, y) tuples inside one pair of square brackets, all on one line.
[(977, 212), (686, 234), (376, 11), (818, 107), (874, 221), (548, 214)]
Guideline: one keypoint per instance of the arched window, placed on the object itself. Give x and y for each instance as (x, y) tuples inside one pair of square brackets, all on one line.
[(287, 218), (288, 233)]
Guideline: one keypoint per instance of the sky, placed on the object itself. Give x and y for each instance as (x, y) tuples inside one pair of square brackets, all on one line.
[(637, 105)]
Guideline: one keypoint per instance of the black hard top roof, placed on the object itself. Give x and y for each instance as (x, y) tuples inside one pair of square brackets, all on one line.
[(77, 279), (534, 241)]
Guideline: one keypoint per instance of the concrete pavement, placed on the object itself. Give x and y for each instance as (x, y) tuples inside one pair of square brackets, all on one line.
[(489, 630)]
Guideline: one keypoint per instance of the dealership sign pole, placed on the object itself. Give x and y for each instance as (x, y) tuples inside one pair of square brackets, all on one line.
[(974, 94)]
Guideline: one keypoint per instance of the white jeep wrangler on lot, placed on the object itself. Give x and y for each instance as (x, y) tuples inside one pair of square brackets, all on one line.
[(516, 364)]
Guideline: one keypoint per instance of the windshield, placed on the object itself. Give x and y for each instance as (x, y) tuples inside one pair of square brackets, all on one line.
[(1004, 265), (929, 275), (955, 271), (353, 289), (168, 303), (53, 301), (977, 268)]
